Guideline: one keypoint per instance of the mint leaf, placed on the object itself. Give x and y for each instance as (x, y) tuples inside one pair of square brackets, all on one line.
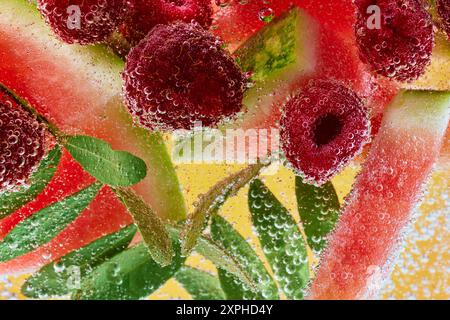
[(44, 225), (211, 202), (200, 284), (319, 211), (224, 259), (114, 168), (11, 201), (152, 229), (281, 240), (130, 275), (224, 233), (54, 278), (221, 257)]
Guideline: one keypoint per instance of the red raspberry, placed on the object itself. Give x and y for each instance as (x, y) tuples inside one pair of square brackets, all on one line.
[(322, 129), (83, 21), (443, 7), (21, 145), (149, 13), (401, 48), (180, 74)]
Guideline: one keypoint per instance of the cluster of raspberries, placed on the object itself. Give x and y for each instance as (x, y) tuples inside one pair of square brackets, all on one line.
[(178, 73)]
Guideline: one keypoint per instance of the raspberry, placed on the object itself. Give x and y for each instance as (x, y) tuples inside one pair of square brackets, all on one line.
[(180, 74), (443, 7), (149, 13), (21, 145), (322, 129), (83, 21), (401, 48)]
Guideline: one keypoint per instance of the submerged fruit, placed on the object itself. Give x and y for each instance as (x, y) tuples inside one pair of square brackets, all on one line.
[(322, 129), (83, 21), (396, 39), (360, 251), (179, 75), (145, 14), (21, 144)]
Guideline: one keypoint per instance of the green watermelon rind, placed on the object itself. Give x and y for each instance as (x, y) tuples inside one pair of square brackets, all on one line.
[(278, 54)]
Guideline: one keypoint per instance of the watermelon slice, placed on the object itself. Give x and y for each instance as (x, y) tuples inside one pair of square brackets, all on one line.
[(380, 206), (78, 89)]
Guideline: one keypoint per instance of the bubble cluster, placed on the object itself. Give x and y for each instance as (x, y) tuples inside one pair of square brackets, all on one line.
[(443, 7), (21, 145), (147, 14), (322, 129), (179, 75), (83, 21), (400, 47)]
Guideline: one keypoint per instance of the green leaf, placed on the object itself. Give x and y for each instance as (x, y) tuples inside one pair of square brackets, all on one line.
[(11, 201), (44, 225), (224, 233), (55, 278), (130, 275), (114, 168), (281, 240), (319, 211), (224, 259), (200, 284), (152, 229), (221, 257), (211, 202)]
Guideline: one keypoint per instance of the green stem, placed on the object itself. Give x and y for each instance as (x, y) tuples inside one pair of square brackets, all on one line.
[(53, 129), (209, 203)]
